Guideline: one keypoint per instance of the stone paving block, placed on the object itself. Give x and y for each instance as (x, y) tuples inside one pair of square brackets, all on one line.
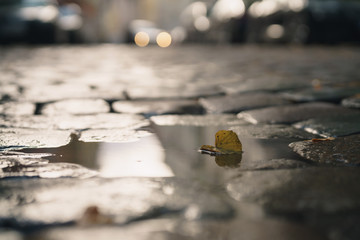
[(149, 108), (112, 135), (56, 92), (292, 113), (352, 102), (326, 93), (76, 107), (28, 121), (265, 83), (332, 126), (48, 201), (74, 122), (9, 92), (299, 191), (103, 121), (236, 102), (193, 120), (11, 159), (187, 91), (18, 138), (341, 151), (17, 108), (186, 230), (50, 170), (270, 131)]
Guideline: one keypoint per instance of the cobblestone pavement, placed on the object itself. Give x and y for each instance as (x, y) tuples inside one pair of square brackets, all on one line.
[(101, 141)]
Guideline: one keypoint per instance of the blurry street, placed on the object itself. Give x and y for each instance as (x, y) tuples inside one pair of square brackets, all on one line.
[(101, 142)]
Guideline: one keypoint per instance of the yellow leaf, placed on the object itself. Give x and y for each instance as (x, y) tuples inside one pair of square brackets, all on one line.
[(226, 142)]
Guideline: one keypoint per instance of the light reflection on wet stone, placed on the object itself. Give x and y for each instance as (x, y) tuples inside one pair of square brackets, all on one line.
[(299, 191), (64, 200), (326, 93), (145, 158), (352, 102), (333, 126), (274, 181), (193, 120), (112, 135), (269, 131), (150, 108), (264, 83), (17, 108), (17, 138), (292, 113), (238, 102), (49, 170), (76, 106), (341, 151)]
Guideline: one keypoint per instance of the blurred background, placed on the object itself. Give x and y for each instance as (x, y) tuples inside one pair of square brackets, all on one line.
[(172, 21)]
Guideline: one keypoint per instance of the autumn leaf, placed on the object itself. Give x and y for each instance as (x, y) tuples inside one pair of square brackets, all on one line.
[(226, 142)]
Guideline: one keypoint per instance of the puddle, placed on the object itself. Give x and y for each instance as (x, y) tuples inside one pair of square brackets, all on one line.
[(171, 151), (142, 158)]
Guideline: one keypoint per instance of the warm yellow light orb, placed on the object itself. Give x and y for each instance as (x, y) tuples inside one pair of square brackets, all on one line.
[(163, 39), (142, 39)]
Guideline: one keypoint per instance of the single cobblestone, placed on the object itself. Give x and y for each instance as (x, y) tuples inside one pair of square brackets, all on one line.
[(265, 83), (18, 138), (341, 151), (292, 113), (327, 93), (150, 108), (333, 126), (192, 120), (236, 103), (270, 131), (17, 108), (351, 102), (76, 107)]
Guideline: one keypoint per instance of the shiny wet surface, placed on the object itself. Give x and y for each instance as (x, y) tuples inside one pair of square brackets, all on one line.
[(169, 151)]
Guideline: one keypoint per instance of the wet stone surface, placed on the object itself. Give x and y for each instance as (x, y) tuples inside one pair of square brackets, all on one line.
[(352, 102), (17, 138), (292, 113), (206, 120), (264, 83), (65, 200), (333, 126), (271, 131), (327, 93), (109, 147), (76, 106), (341, 151), (168, 228), (17, 108), (236, 103), (75, 122), (149, 108)]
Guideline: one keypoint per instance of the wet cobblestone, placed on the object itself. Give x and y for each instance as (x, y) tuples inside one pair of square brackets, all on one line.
[(295, 109)]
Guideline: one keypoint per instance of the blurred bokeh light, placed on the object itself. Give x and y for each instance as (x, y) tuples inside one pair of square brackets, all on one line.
[(219, 21)]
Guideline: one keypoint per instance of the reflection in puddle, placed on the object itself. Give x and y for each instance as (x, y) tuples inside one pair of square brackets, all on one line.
[(182, 145), (172, 151), (143, 158), (230, 160)]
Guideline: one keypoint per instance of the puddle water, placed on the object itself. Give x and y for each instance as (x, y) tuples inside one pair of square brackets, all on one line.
[(171, 151)]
